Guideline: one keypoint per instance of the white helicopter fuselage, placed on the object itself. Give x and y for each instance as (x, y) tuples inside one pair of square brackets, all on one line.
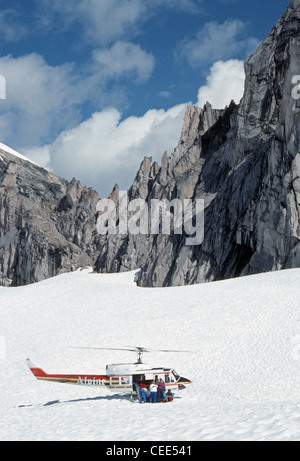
[(119, 378)]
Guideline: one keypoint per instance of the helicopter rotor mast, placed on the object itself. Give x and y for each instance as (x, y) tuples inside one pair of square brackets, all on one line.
[(140, 351)]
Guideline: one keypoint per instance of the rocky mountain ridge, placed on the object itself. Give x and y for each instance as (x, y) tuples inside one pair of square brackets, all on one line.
[(46, 223), (243, 161)]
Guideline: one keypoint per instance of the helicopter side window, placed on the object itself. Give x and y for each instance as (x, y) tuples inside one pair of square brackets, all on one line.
[(176, 375), (169, 378)]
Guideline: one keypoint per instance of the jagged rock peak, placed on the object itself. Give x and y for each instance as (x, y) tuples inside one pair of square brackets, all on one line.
[(114, 195), (197, 121), (190, 123)]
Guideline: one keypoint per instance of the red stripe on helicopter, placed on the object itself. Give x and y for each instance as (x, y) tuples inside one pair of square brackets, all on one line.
[(39, 373)]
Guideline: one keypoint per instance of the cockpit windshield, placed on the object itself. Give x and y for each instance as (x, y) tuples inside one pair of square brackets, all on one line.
[(176, 375)]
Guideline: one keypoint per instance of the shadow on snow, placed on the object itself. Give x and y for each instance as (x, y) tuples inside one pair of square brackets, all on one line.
[(59, 402)]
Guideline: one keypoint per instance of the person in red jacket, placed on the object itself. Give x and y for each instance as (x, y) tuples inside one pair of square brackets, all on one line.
[(143, 392), (170, 396)]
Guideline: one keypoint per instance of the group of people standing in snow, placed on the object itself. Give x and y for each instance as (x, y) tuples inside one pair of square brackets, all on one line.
[(154, 393)]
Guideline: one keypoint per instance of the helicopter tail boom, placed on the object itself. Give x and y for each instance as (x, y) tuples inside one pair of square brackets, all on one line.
[(79, 379)]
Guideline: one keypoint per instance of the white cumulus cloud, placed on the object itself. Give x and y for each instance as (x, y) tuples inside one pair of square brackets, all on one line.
[(224, 83), (38, 97), (43, 100), (104, 21), (124, 58), (215, 42), (104, 149)]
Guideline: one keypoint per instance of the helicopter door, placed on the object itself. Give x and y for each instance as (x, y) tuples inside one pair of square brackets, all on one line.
[(136, 381)]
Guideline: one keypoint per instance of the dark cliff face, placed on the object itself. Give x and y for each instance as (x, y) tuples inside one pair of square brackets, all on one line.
[(46, 223), (243, 161)]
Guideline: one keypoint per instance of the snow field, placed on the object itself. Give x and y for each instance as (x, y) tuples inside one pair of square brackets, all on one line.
[(244, 364)]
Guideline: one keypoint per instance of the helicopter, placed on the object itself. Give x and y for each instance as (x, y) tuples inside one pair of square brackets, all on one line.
[(120, 378)]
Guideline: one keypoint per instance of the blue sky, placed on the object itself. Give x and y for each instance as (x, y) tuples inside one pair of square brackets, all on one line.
[(92, 86)]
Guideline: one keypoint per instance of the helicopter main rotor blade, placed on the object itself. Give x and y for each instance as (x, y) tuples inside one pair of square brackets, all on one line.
[(168, 350), (104, 348), (144, 349), (130, 349)]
